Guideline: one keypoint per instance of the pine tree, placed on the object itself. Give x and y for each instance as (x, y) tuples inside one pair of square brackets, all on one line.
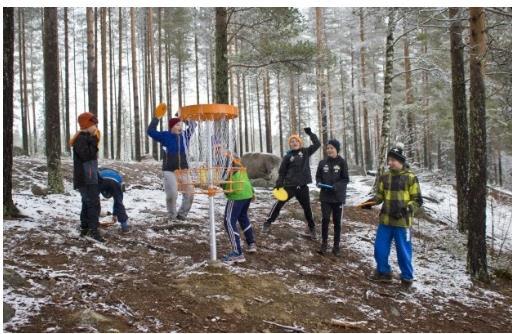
[(51, 87), (10, 209)]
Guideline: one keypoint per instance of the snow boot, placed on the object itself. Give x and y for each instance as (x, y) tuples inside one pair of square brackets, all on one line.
[(266, 228), (381, 277), (312, 232), (323, 247), (84, 231), (95, 234), (406, 283), (336, 251)]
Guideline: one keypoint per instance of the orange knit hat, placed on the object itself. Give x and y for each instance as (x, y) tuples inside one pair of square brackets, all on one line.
[(86, 120), (296, 137)]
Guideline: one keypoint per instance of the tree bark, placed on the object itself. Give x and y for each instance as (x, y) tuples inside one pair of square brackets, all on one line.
[(10, 209), (343, 112), (353, 106), (92, 82), (410, 144), (112, 81), (221, 61), (51, 87), (460, 121), (386, 110), (104, 70), (268, 114), (120, 93), (293, 107), (135, 86), (259, 113), (366, 126), (24, 134), (246, 115), (477, 190), (154, 145), (281, 148)]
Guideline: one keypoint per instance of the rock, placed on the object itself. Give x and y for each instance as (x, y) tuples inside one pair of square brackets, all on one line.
[(9, 312), (89, 317), (14, 279), (262, 183), (261, 165), (39, 190)]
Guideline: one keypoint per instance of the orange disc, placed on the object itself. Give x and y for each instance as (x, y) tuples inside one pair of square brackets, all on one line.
[(208, 112)]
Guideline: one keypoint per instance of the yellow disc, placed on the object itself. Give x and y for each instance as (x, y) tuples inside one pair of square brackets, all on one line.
[(280, 194), (160, 110), (208, 112)]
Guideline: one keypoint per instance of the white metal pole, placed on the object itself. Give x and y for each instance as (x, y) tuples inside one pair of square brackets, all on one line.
[(211, 209)]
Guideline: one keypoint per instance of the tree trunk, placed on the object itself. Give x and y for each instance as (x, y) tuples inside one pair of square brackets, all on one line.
[(410, 144), (51, 87), (154, 145), (239, 102), (386, 110), (246, 115), (427, 126), (259, 113), (136, 112), (24, 133), (268, 115), (320, 75), (66, 83), (477, 190), (281, 148), (460, 121), (32, 90), (120, 94), (366, 126), (196, 57), (221, 61), (26, 124), (112, 80), (92, 83), (293, 107), (10, 209), (353, 106), (343, 112), (104, 70)]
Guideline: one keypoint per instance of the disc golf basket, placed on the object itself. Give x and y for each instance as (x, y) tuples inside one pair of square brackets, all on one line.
[(209, 155)]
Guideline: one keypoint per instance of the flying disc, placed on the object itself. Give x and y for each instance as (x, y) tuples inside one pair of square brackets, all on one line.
[(280, 194)]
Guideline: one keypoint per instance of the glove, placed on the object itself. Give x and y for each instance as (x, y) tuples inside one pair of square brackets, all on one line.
[(279, 184), (366, 204), (160, 110), (308, 131), (97, 134)]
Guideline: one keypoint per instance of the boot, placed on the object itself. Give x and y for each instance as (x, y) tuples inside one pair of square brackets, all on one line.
[(84, 231), (336, 251), (95, 234), (323, 248), (312, 232)]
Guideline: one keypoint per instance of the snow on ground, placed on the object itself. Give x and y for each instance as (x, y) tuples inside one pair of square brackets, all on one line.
[(439, 248)]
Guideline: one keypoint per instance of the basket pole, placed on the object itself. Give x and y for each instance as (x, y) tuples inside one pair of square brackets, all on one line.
[(211, 206)]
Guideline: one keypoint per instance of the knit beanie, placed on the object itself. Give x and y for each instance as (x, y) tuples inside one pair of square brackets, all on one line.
[(86, 120), (397, 153), (335, 143), (173, 122), (296, 137)]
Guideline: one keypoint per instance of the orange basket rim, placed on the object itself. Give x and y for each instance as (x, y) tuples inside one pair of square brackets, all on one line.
[(208, 112)]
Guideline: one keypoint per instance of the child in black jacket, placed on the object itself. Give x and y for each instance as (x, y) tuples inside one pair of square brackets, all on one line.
[(85, 173), (294, 176), (332, 178)]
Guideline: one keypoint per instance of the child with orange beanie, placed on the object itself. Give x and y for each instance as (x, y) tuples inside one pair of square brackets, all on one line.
[(294, 176)]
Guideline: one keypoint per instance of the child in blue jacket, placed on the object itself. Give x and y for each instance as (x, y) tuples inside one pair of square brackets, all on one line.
[(111, 185), (174, 145)]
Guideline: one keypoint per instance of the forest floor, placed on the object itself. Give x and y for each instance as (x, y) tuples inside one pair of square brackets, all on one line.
[(158, 278)]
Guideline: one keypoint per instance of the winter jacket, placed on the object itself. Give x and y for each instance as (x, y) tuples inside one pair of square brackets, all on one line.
[(333, 172), (174, 146), (294, 169), (111, 185), (239, 186), (401, 194), (85, 160)]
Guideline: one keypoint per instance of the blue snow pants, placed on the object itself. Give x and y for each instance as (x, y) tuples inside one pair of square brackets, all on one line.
[(403, 244), (236, 211)]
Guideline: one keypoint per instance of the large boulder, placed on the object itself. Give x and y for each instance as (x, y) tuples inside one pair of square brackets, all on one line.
[(261, 165)]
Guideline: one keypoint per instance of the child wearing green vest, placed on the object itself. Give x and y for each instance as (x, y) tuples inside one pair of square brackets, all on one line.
[(239, 194)]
